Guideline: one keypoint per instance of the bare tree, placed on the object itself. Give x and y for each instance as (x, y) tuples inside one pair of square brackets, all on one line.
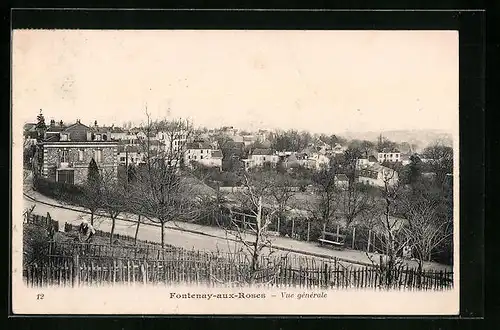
[(390, 225), (91, 197), (441, 160), (425, 229), (325, 204), (251, 200), (166, 195), (354, 201), (114, 199), (281, 190)]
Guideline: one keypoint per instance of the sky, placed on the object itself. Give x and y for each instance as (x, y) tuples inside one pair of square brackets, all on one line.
[(320, 81)]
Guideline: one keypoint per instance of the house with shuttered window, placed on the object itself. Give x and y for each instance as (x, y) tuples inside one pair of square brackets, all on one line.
[(65, 153)]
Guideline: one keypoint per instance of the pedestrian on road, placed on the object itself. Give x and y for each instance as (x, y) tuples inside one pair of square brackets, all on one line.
[(86, 230)]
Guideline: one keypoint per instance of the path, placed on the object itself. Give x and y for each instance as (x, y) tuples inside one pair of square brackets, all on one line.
[(189, 235)]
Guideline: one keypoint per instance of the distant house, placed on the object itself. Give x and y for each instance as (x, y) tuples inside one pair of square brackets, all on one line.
[(118, 133), (377, 175), (405, 159), (130, 155), (341, 181), (259, 157), (389, 155), (338, 149), (175, 141), (202, 153), (249, 139), (65, 153), (362, 163)]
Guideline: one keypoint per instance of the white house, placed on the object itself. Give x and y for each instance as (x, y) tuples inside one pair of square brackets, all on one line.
[(259, 157), (377, 175), (175, 140), (202, 153), (133, 153), (338, 149), (389, 155), (118, 134)]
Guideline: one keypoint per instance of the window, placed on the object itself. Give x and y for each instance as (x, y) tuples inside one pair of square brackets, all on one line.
[(201, 150), (80, 155), (98, 155), (195, 157), (64, 156), (189, 157), (98, 137), (201, 157), (122, 159), (264, 158)]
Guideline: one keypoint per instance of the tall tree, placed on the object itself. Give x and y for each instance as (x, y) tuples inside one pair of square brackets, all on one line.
[(166, 196), (41, 127), (426, 227), (440, 160), (325, 205), (91, 197), (251, 200), (114, 199)]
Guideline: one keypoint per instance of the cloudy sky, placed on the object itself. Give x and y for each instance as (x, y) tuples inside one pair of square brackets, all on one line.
[(323, 81)]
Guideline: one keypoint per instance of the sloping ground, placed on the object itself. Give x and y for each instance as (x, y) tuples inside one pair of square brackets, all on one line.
[(194, 236)]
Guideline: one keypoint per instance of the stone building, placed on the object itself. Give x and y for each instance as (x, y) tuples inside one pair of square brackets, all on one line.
[(64, 154)]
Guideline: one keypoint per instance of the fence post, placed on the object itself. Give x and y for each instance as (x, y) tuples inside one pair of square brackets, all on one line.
[(308, 229), (369, 240), (76, 270), (353, 236)]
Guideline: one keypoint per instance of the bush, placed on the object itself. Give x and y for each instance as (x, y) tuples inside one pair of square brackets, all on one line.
[(62, 191), (35, 244)]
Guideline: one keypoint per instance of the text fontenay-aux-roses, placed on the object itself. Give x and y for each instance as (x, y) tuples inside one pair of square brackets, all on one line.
[(244, 295)]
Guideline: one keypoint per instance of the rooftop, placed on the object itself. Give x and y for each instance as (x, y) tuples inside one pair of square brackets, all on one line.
[(263, 152)]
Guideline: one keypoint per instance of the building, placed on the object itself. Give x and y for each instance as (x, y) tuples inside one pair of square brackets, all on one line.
[(377, 175), (65, 153), (118, 133), (338, 149), (175, 141), (259, 157), (130, 155), (202, 153), (389, 155), (341, 181)]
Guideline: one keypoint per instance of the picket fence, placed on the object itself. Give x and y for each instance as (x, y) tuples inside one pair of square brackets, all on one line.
[(203, 268)]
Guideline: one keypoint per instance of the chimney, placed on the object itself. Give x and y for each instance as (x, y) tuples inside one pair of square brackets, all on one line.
[(61, 123), (78, 121), (95, 123), (52, 123)]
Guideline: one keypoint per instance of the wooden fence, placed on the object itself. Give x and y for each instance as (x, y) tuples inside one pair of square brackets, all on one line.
[(203, 268)]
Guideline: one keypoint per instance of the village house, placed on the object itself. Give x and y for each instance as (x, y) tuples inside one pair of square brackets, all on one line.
[(259, 157), (202, 153), (65, 153), (175, 141), (338, 149), (341, 181), (377, 175), (365, 162), (389, 155), (118, 133), (130, 155)]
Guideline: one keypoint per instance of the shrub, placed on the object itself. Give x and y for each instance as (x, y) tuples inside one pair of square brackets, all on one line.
[(35, 244), (62, 191)]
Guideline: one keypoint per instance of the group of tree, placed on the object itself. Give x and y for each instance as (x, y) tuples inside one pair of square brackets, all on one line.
[(291, 140)]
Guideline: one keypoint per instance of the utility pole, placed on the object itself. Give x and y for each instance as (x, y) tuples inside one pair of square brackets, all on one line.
[(126, 162)]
